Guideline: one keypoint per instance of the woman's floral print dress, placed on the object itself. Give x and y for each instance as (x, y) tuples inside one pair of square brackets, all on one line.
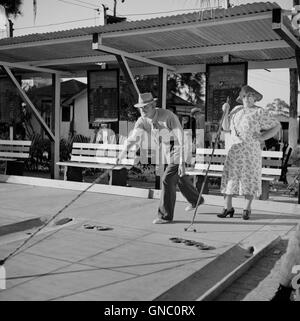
[(242, 168)]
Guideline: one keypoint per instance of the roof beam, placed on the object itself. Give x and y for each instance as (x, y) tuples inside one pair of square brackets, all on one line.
[(38, 43), (280, 28), (272, 64), (222, 49), (73, 61), (187, 25), (218, 49), (28, 67), (99, 47)]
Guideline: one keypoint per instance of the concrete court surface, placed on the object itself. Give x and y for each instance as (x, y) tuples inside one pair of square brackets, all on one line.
[(133, 261)]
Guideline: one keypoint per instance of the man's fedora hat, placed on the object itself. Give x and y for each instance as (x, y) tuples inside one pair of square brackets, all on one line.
[(248, 90), (145, 99)]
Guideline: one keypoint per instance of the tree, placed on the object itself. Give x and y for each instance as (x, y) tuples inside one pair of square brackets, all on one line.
[(279, 108), (189, 85), (12, 7)]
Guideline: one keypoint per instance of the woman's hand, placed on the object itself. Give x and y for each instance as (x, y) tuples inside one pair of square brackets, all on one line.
[(226, 108)]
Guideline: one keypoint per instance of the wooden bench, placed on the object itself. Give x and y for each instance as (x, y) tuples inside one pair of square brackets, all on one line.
[(14, 151), (271, 166), (102, 156)]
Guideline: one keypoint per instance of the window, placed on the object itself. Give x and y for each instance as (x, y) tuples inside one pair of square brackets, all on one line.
[(66, 111)]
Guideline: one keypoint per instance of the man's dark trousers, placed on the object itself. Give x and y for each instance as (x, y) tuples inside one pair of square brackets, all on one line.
[(168, 193)]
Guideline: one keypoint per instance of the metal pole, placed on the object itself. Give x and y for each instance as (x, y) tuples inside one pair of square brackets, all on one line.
[(296, 3)]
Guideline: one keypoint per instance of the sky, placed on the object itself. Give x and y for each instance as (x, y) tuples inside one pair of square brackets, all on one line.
[(54, 15)]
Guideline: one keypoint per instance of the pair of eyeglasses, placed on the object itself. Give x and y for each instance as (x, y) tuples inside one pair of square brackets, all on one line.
[(146, 107)]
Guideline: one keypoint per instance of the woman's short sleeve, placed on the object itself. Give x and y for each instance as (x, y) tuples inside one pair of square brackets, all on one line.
[(267, 120)]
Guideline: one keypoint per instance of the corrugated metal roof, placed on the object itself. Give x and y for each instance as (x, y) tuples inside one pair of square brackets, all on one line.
[(207, 15), (245, 32)]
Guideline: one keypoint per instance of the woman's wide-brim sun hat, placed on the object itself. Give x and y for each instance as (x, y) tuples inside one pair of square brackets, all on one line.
[(145, 99), (245, 90)]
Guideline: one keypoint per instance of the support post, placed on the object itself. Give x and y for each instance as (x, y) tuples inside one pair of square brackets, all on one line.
[(162, 89), (55, 126), (162, 99)]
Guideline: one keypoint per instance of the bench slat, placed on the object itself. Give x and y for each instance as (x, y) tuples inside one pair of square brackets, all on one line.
[(219, 174), (14, 155), (91, 165), (101, 160), (222, 151), (271, 162), (100, 146), (219, 168), (100, 152), (8, 148), (271, 171), (271, 154), (16, 142), (208, 151)]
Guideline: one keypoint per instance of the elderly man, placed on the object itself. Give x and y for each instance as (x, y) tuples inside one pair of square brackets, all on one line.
[(165, 128)]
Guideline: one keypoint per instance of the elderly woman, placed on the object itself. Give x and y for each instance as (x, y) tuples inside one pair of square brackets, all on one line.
[(249, 125)]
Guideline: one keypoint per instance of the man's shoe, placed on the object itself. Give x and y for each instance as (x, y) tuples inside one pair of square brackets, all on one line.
[(161, 221), (192, 207)]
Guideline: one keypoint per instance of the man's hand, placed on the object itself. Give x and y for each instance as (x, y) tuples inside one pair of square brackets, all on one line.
[(181, 170)]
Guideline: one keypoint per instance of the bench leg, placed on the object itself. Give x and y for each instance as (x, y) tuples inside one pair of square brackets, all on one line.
[(265, 190), (65, 172), (110, 177)]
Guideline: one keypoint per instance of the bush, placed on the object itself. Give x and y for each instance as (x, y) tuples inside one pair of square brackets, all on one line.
[(66, 146), (40, 153)]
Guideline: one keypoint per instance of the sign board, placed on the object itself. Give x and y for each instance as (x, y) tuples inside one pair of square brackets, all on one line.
[(103, 96), (223, 80)]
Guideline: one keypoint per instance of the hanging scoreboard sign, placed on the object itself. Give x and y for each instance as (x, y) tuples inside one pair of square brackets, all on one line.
[(103, 96), (223, 80)]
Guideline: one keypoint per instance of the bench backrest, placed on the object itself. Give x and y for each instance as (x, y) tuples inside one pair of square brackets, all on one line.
[(271, 161), (14, 149), (101, 154)]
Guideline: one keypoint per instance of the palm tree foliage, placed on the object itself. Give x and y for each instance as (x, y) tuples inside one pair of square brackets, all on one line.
[(12, 7)]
